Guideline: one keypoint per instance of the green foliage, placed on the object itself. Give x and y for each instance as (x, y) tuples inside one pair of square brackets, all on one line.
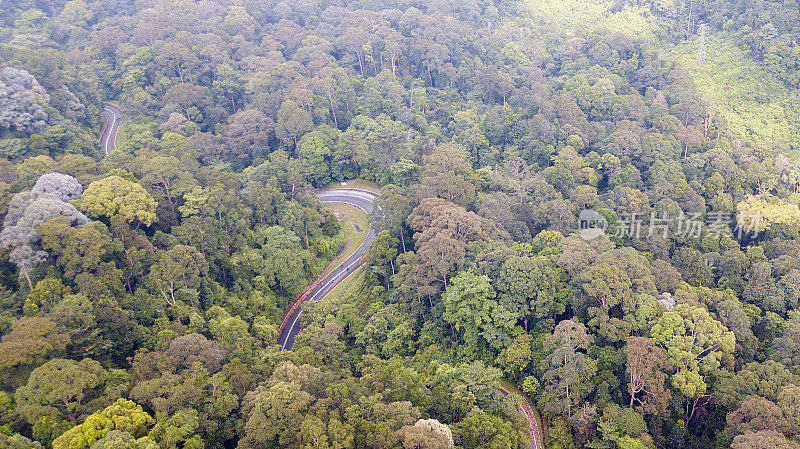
[(46, 429), (18, 441), (117, 197), (531, 386), (515, 358), (123, 416), (124, 440), (496, 123), (44, 296), (179, 430), (62, 388), (480, 430), (473, 311), (696, 344)]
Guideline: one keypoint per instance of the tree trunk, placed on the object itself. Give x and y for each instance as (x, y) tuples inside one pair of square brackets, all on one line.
[(569, 403), (169, 197), (333, 111), (27, 278)]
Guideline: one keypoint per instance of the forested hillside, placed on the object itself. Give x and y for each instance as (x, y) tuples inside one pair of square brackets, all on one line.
[(599, 214)]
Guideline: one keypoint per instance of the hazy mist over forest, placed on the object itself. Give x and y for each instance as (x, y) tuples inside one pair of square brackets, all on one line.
[(405, 224)]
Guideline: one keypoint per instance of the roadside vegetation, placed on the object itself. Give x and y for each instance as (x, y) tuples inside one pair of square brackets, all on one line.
[(141, 294)]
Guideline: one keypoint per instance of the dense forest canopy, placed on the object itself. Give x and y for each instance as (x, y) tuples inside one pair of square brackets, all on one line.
[(578, 210)]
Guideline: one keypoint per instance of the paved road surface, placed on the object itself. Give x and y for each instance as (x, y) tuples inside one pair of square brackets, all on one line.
[(108, 139), (358, 198), (525, 409)]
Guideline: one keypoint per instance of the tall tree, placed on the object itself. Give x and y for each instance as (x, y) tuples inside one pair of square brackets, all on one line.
[(567, 369), (292, 123), (167, 175), (121, 416), (248, 134), (61, 387), (696, 344), (529, 287), (114, 196), (645, 363), (179, 269), (472, 310)]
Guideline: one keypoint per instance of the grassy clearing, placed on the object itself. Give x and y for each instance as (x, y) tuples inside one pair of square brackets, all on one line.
[(753, 102), (122, 135), (348, 285), (587, 16), (356, 223), (359, 184)]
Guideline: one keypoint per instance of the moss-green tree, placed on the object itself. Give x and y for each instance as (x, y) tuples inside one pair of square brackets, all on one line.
[(114, 196), (696, 344), (122, 416)]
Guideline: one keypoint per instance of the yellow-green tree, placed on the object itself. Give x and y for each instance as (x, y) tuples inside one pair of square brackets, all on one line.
[(758, 213), (696, 344), (114, 196), (123, 415), (45, 295)]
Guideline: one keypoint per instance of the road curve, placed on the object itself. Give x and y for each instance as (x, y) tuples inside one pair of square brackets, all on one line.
[(358, 198), (108, 137), (292, 324), (525, 409)]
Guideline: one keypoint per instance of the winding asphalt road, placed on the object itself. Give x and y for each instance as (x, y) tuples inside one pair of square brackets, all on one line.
[(358, 198), (525, 409), (108, 138), (292, 325)]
